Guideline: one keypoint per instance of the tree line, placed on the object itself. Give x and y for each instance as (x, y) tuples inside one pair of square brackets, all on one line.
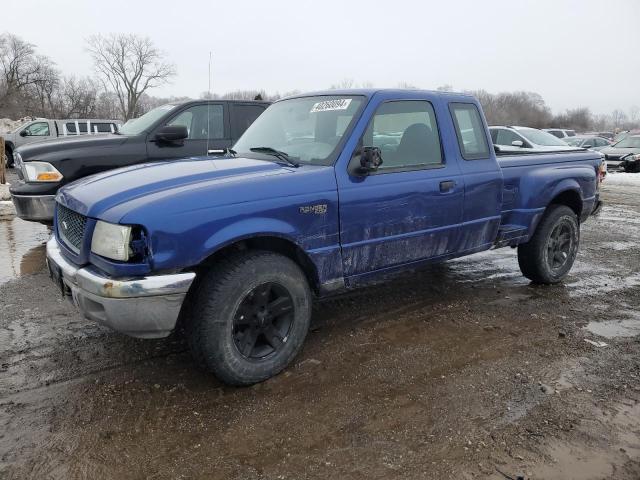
[(128, 67)]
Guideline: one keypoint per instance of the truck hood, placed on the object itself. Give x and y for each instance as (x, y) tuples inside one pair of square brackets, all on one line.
[(169, 186), (65, 144)]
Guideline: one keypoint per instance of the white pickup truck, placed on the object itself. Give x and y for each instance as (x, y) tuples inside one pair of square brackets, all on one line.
[(44, 129)]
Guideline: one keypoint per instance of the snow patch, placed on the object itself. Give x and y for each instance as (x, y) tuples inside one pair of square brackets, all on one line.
[(624, 179)]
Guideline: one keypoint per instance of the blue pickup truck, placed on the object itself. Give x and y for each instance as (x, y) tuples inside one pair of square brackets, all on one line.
[(324, 192)]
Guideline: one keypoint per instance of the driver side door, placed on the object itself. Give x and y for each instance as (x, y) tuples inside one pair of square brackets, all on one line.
[(410, 209)]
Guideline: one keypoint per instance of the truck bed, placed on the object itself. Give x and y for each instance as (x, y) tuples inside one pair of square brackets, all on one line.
[(572, 175)]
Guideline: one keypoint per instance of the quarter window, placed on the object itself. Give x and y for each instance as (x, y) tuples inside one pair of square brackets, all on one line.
[(470, 131), (406, 133)]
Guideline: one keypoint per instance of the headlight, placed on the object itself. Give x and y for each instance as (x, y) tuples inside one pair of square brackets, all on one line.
[(111, 241), (40, 172)]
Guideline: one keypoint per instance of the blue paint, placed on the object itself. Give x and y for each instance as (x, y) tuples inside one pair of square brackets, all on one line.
[(351, 228)]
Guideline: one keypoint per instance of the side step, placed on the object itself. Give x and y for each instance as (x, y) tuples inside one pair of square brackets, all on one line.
[(508, 233)]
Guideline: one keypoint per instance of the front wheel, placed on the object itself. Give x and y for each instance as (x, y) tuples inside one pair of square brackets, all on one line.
[(549, 255), (250, 316)]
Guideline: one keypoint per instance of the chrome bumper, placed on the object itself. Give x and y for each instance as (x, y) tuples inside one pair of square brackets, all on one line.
[(145, 307), (35, 208)]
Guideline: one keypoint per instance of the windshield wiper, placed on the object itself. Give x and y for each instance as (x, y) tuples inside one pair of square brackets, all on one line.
[(284, 156)]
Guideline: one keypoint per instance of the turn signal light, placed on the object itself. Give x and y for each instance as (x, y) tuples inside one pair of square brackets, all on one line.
[(49, 177)]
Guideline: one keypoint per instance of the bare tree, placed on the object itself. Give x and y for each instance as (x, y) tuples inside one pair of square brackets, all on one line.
[(130, 65), (20, 68)]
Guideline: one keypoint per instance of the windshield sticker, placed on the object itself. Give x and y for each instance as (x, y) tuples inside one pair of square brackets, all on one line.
[(328, 105)]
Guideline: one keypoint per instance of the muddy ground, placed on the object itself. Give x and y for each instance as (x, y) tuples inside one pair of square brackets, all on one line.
[(461, 371)]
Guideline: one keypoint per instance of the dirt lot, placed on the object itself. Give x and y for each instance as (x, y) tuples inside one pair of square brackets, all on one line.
[(461, 371)]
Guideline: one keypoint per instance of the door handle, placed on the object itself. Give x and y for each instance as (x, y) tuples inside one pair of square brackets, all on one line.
[(218, 150), (447, 186)]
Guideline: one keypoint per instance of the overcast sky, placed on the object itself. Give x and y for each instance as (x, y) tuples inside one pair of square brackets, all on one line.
[(573, 52)]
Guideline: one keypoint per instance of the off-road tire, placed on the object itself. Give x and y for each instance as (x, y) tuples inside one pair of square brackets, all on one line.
[(534, 256), (220, 293)]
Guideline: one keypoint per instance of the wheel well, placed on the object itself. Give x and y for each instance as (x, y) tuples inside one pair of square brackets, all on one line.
[(571, 199), (271, 244)]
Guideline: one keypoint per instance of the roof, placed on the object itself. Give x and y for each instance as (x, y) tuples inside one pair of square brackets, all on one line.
[(369, 92), (204, 100)]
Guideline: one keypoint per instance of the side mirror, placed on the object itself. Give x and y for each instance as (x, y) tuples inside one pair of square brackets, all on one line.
[(370, 160), (517, 143), (23, 133), (171, 133), (587, 146)]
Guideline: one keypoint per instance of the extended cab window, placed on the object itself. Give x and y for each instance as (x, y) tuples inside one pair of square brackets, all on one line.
[(195, 119), (470, 131), (38, 129), (406, 133)]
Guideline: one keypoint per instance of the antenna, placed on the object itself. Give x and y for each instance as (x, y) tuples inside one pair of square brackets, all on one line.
[(208, 105)]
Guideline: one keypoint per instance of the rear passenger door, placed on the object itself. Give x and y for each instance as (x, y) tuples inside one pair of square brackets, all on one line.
[(408, 210)]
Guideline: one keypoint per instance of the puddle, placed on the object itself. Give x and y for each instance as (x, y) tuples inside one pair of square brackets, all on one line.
[(23, 248), (629, 327)]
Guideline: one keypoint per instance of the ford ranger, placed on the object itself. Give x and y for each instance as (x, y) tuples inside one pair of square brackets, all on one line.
[(175, 130), (324, 192)]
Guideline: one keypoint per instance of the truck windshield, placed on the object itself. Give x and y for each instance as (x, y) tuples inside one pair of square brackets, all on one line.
[(136, 126), (307, 129), (541, 138)]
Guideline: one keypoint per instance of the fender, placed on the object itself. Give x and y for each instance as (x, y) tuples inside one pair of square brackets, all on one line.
[(326, 261)]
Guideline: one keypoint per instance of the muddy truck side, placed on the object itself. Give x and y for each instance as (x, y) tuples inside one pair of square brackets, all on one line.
[(324, 192)]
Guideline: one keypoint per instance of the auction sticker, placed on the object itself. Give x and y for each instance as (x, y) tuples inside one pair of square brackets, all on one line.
[(328, 105)]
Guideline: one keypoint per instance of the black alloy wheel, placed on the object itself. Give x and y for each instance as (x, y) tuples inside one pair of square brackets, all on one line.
[(262, 321)]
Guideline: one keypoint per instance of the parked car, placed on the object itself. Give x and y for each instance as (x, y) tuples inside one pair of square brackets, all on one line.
[(627, 147), (42, 129), (526, 139), (175, 130), (608, 135), (324, 192), (588, 141), (561, 132)]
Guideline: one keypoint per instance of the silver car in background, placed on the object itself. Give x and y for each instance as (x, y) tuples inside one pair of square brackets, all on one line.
[(592, 142), (525, 139)]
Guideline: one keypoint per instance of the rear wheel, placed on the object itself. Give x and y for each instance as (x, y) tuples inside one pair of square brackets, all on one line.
[(250, 317), (549, 255)]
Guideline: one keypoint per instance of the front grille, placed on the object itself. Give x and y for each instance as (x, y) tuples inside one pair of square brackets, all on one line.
[(70, 227)]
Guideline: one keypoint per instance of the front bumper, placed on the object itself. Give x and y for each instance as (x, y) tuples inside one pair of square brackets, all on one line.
[(35, 208), (142, 307)]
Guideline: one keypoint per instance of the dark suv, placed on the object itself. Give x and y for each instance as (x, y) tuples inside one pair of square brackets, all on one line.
[(176, 130)]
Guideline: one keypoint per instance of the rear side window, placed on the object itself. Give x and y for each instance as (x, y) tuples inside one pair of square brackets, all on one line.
[(244, 115), (102, 127), (470, 131)]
